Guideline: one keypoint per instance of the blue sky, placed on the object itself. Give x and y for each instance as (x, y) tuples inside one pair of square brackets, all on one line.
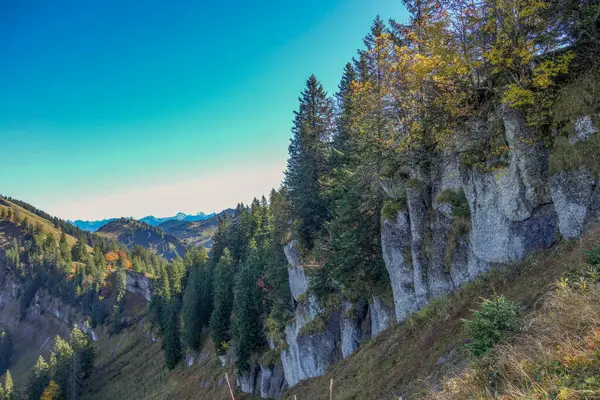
[(111, 108)]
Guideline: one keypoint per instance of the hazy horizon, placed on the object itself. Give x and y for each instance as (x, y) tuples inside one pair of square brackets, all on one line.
[(144, 108)]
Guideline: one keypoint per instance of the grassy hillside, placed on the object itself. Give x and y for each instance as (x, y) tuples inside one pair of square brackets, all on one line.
[(407, 361), (132, 366), (131, 232), (47, 226), (197, 233)]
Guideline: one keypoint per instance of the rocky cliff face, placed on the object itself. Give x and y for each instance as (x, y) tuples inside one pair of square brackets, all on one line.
[(47, 316), (139, 283), (453, 224)]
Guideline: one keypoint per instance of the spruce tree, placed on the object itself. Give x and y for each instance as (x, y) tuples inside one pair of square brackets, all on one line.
[(307, 163), (38, 378), (223, 302), (65, 250), (6, 350), (247, 326), (9, 387), (61, 363), (193, 319), (171, 343)]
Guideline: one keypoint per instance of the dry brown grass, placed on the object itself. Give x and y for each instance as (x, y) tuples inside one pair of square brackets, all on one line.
[(556, 356)]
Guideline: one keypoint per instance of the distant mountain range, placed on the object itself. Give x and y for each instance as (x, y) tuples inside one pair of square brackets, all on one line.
[(197, 233), (93, 226)]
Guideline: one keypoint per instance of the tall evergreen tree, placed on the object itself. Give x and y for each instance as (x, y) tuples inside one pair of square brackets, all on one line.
[(171, 343), (247, 326), (9, 387), (223, 302), (193, 320), (38, 378), (307, 163)]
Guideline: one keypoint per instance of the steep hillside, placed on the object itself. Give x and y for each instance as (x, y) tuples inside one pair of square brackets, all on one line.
[(197, 233), (405, 361), (33, 219), (131, 232)]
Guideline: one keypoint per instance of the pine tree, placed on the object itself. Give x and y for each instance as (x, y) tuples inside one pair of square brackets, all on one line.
[(223, 302), (38, 378), (193, 320), (61, 363), (65, 250), (9, 387), (3, 214), (171, 343), (79, 251), (6, 350), (307, 163), (247, 326)]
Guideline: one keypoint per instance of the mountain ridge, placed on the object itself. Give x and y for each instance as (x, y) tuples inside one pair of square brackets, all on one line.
[(94, 225)]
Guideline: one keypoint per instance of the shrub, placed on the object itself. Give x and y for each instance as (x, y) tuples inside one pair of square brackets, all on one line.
[(593, 256), (497, 319), (458, 200), (391, 208)]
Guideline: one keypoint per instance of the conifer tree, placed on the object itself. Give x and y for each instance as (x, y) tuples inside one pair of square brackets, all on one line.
[(38, 378), (223, 302), (171, 343), (65, 250), (6, 350), (193, 320), (247, 326), (9, 387), (307, 163), (61, 363)]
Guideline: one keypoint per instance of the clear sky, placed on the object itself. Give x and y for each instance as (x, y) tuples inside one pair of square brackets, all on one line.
[(129, 108)]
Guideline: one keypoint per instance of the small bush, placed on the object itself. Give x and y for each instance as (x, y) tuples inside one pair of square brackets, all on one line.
[(391, 208), (593, 256), (497, 319), (458, 200)]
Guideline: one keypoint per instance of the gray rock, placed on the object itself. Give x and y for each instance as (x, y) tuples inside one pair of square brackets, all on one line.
[(297, 278), (272, 381), (584, 129), (351, 328), (190, 357), (382, 316), (528, 167), (495, 238), (137, 282), (309, 354), (396, 246), (572, 195), (247, 381), (418, 209)]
